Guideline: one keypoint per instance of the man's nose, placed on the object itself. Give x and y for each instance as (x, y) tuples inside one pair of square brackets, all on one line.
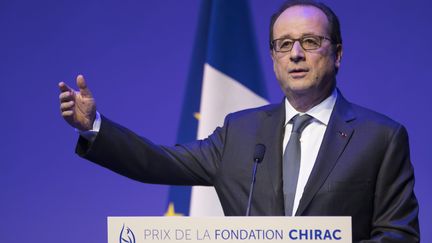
[(297, 53)]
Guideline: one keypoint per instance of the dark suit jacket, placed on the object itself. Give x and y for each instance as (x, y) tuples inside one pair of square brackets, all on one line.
[(362, 170)]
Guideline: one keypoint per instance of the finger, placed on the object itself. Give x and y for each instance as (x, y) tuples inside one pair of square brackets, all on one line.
[(66, 96), (64, 106), (82, 85), (64, 87), (67, 113)]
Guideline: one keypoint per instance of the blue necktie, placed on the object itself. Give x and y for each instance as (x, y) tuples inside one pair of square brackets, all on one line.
[(291, 161)]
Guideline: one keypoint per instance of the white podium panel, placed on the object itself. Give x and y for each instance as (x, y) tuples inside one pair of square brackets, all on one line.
[(228, 229)]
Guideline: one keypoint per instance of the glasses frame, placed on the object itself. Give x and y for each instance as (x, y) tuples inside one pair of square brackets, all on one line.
[(321, 38)]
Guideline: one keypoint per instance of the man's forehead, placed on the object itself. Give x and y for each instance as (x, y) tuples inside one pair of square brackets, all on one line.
[(300, 20)]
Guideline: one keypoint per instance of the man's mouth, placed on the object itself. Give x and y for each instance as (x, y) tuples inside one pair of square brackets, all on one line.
[(298, 72)]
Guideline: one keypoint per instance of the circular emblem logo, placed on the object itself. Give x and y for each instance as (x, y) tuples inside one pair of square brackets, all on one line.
[(126, 235)]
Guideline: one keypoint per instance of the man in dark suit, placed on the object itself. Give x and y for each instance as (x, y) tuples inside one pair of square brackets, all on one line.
[(348, 160)]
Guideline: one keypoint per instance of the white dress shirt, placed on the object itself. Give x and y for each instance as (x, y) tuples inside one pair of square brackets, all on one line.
[(310, 140)]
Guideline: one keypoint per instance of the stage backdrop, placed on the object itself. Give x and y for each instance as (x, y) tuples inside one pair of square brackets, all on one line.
[(135, 56)]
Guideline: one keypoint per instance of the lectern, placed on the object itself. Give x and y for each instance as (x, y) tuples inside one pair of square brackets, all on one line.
[(228, 229)]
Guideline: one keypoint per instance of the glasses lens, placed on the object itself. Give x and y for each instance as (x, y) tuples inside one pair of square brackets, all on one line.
[(284, 45), (311, 42)]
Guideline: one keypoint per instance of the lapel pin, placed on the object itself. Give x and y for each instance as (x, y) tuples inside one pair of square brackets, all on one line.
[(342, 134)]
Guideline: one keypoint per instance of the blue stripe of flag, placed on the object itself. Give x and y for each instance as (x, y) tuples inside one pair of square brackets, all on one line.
[(232, 45), (188, 127)]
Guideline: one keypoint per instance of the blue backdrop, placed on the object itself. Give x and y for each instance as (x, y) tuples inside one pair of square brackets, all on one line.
[(135, 56)]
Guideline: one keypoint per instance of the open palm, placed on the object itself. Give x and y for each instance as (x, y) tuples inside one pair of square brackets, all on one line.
[(78, 108)]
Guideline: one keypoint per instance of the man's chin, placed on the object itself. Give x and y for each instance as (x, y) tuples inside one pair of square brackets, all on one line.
[(300, 89)]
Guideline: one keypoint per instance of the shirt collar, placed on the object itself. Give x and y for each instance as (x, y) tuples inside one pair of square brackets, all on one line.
[(320, 112)]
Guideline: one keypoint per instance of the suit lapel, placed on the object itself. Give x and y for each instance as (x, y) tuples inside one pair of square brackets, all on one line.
[(271, 135), (335, 139)]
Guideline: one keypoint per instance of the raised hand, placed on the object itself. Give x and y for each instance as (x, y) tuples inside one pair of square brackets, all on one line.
[(78, 108)]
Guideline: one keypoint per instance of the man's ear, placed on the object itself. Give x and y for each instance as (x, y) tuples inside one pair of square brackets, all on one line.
[(271, 54), (273, 59), (338, 55)]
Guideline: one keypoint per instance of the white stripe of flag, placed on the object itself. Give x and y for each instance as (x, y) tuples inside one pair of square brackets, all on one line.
[(220, 96)]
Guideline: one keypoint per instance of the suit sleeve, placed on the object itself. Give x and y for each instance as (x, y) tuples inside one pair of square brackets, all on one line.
[(395, 217), (128, 154)]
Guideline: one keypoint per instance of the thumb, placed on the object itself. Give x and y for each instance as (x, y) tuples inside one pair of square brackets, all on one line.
[(84, 90)]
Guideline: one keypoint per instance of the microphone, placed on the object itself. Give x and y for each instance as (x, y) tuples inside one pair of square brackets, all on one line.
[(258, 157)]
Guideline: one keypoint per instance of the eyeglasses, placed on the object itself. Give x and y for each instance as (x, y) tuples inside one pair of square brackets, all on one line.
[(309, 42)]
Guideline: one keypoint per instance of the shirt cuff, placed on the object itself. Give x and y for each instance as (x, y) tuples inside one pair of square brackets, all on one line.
[(90, 135)]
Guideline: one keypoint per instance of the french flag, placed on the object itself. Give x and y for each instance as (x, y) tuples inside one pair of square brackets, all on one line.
[(225, 76)]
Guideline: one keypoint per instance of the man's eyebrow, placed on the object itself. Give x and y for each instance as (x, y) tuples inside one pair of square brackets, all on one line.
[(284, 36), (303, 35)]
